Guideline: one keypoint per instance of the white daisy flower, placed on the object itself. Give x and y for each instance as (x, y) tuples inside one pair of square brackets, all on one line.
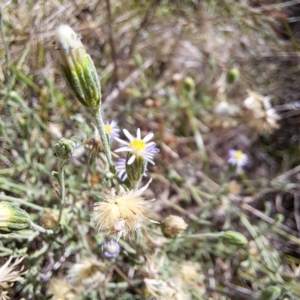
[(112, 129), (121, 169), (238, 158), (138, 147)]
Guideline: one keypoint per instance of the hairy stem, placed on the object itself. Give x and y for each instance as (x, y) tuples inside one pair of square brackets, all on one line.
[(61, 181), (204, 235), (107, 151), (40, 229)]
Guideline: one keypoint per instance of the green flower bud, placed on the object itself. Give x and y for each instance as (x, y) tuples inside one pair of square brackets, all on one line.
[(136, 170), (271, 293), (232, 75), (172, 226), (77, 67), (189, 84), (234, 238), (64, 148), (13, 218)]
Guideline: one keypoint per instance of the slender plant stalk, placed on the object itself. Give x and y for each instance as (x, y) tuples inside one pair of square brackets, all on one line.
[(40, 229), (100, 127), (204, 235), (24, 202), (61, 181), (7, 70)]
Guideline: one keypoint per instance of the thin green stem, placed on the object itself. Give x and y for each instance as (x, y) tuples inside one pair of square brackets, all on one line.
[(21, 201), (107, 151), (40, 229), (189, 106), (7, 70), (213, 235), (61, 181)]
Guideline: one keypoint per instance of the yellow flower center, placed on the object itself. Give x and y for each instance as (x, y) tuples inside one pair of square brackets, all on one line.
[(238, 155), (107, 128), (137, 145)]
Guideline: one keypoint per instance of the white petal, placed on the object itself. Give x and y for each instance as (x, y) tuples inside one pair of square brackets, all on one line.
[(232, 161), (131, 160), (138, 134), (121, 141), (151, 161), (143, 189), (128, 135), (148, 137), (231, 152), (123, 149), (150, 144), (121, 173)]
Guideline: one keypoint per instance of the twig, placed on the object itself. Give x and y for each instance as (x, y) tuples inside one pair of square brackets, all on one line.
[(143, 24), (296, 211), (61, 181), (112, 42), (267, 219), (6, 53), (114, 94), (120, 272), (279, 228), (286, 174)]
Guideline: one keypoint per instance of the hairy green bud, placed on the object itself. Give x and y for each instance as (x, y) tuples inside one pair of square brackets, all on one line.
[(271, 293), (13, 218), (77, 67), (189, 84), (64, 148), (235, 238), (232, 75), (172, 226)]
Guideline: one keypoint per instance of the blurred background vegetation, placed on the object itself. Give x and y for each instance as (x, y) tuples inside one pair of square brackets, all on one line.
[(183, 70)]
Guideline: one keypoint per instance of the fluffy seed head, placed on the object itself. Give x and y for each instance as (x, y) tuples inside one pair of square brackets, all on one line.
[(261, 115), (8, 275), (88, 272), (172, 226), (60, 289), (120, 215), (49, 219)]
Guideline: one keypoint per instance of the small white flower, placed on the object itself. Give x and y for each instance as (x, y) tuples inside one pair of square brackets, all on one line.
[(139, 147), (121, 169), (112, 129), (238, 158)]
